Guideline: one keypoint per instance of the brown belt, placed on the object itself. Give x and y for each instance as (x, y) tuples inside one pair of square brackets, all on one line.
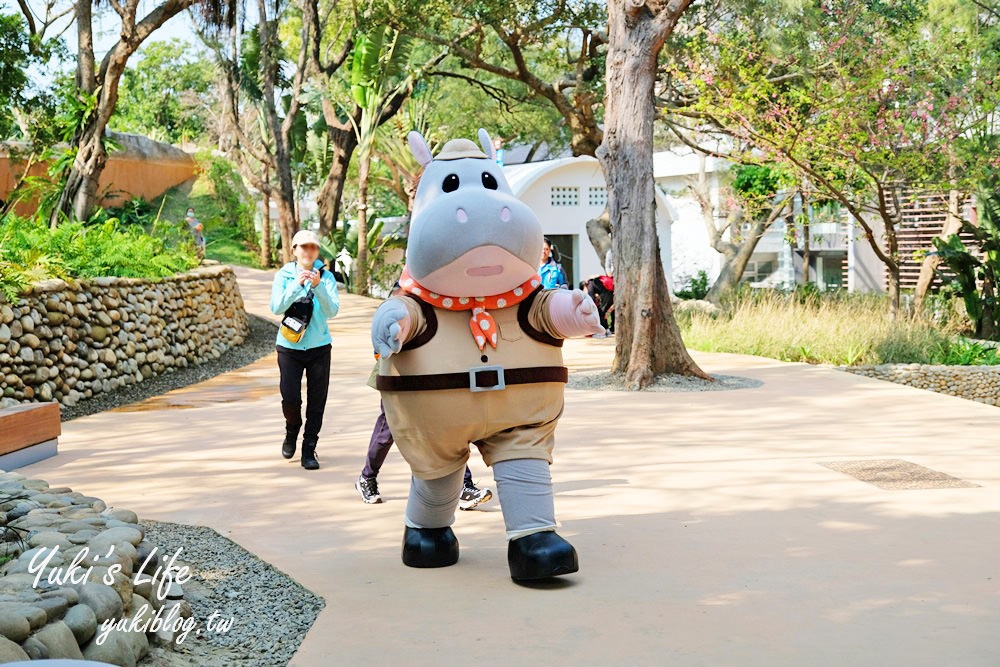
[(483, 378)]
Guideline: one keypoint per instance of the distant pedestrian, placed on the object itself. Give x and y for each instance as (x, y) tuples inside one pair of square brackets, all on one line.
[(551, 271), (197, 232)]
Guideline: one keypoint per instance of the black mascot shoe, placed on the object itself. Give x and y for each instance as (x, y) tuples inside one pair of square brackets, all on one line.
[(429, 547), (540, 556)]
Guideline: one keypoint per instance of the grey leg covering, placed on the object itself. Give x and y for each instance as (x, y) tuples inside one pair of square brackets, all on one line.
[(433, 502), (525, 490)]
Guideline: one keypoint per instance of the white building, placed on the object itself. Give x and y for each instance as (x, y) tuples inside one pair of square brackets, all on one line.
[(674, 174), (567, 192)]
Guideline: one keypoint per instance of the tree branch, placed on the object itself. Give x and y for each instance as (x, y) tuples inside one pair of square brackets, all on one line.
[(495, 93), (29, 17), (993, 11)]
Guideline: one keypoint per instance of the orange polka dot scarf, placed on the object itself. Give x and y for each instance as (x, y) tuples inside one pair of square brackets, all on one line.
[(483, 326)]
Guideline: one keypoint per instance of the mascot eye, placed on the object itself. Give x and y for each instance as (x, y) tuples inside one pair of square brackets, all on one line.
[(450, 183), (489, 182)]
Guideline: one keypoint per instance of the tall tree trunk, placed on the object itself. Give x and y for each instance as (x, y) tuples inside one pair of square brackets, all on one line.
[(343, 142), (79, 193), (361, 269), (988, 323), (895, 279), (893, 291), (806, 249), (86, 69), (265, 225), (287, 220), (891, 211), (287, 226), (648, 340)]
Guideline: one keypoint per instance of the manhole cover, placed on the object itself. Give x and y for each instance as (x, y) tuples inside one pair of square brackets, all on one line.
[(897, 474)]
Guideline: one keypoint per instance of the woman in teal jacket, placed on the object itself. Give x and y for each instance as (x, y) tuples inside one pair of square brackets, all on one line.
[(311, 353)]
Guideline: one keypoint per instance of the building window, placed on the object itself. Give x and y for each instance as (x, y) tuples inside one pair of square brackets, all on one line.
[(758, 271), (597, 195), (565, 195)]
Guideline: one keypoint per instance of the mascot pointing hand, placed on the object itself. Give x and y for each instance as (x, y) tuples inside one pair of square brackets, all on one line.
[(471, 351)]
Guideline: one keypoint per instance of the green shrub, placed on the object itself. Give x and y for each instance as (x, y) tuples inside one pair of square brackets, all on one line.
[(966, 353), (31, 251), (136, 211), (695, 287)]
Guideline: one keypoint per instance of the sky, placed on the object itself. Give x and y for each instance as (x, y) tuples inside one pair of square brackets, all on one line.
[(106, 27)]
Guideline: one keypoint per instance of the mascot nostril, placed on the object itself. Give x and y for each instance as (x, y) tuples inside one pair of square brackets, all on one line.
[(459, 294)]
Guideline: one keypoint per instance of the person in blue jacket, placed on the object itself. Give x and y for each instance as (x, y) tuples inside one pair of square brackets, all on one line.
[(311, 353), (551, 271)]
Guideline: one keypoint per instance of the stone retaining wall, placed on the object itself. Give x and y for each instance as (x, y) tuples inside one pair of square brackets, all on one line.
[(104, 609), (975, 383), (71, 340)]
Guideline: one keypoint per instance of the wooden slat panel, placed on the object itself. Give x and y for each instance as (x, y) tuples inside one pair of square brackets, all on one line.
[(28, 424), (923, 216)]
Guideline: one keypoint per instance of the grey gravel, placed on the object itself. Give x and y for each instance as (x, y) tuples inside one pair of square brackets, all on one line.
[(259, 343), (608, 381), (271, 611)]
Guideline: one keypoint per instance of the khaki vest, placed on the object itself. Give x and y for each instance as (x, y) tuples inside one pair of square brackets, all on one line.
[(447, 345)]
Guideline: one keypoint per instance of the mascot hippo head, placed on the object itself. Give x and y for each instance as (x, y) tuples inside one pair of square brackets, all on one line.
[(469, 235)]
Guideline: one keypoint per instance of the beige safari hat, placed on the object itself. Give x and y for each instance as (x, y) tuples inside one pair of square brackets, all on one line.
[(460, 148)]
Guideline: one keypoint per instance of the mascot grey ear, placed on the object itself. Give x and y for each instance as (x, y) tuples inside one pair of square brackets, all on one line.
[(487, 144), (419, 148)]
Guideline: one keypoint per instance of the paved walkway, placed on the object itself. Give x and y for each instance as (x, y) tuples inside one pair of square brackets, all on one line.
[(709, 531)]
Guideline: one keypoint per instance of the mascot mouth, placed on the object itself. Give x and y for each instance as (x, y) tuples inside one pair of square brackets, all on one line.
[(481, 271)]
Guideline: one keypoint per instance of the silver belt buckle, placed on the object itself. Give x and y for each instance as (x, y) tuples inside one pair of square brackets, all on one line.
[(501, 383)]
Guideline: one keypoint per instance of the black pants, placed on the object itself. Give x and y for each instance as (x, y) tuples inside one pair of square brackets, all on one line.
[(315, 362)]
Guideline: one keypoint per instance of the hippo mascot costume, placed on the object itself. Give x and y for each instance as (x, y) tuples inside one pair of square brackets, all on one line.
[(470, 352)]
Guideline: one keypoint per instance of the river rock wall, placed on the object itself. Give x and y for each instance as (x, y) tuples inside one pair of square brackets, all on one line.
[(69, 340)]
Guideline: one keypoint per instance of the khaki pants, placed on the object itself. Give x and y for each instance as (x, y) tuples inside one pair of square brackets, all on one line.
[(433, 429)]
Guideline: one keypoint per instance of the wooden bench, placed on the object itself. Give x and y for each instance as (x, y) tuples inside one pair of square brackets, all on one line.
[(28, 433)]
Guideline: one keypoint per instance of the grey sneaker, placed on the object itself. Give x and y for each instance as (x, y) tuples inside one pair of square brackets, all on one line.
[(368, 488), (473, 497)]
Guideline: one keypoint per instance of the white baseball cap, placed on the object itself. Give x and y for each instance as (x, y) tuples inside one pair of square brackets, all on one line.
[(305, 237)]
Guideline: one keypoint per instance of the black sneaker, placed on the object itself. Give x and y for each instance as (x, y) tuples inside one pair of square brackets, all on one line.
[(368, 488), (472, 497)]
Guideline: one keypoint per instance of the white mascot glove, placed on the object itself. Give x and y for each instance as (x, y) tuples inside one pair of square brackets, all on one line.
[(573, 313), (390, 324)]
